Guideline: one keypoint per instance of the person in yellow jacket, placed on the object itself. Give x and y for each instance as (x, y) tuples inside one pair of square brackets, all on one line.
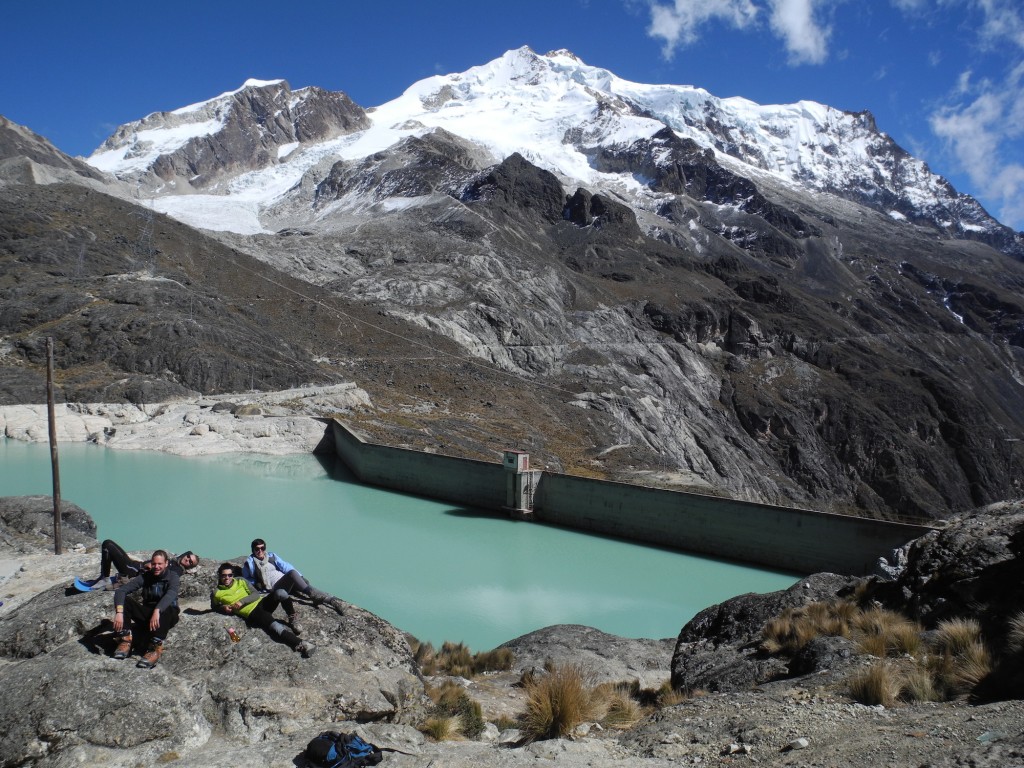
[(237, 597)]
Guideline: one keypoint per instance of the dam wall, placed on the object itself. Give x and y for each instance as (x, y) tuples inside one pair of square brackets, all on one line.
[(466, 482), (786, 538)]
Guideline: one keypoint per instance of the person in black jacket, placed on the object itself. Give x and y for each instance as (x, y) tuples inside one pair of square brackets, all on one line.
[(153, 615)]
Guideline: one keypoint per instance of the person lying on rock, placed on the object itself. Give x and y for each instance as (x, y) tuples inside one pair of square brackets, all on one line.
[(153, 615), (237, 597), (270, 573), (113, 554)]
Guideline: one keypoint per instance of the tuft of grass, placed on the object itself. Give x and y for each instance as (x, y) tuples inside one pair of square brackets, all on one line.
[(669, 696), (961, 662), (973, 665), (440, 728), (882, 633), (873, 644), (621, 710), (878, 684), (918, 685), (504, 723), (1015, 634), (557, 702), (457, 660), (498, 660), (788, 632), (453, 704), (954, 636), (905, 637)]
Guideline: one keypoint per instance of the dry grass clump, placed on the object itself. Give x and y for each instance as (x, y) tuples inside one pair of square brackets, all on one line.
[(1015, 634), (955, 663), (882, 633), (453, 715), (795, 627), (878, 684), (621, 709), (558, 702), (440, 728), (457, 660), (918, 685), (956, 635)]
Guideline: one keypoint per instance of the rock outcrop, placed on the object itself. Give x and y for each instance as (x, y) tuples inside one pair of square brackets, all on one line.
[(216, 703)]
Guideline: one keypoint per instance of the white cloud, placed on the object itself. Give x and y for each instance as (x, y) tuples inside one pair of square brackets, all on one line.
[(677, 24), (982, 122), (805, 37), (1003, 22), (979, 134), (795, 22)]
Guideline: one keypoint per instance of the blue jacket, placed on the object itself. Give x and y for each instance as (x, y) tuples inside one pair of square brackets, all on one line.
[(249, 568)]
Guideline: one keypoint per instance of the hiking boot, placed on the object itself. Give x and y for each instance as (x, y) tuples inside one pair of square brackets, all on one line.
[(152, 656), (306, 648), (293, 620), (124, 648)]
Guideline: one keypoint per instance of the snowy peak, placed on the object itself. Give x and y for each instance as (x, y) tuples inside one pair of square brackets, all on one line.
[(253, 127), (559, 113)]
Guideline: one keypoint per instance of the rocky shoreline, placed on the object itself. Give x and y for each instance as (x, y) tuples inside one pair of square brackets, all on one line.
[(222, 704), (282, 422)]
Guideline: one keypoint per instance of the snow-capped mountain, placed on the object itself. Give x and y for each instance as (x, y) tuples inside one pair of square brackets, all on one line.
[(253, 145), (772, 302)]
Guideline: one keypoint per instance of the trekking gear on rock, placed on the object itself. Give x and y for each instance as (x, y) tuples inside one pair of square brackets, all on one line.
[(294, 621), (306, 648), (124, 648), (341, 750), (152, 656)]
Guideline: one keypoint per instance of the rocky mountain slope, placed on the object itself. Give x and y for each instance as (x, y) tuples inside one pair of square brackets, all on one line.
[(642, 282), (212, 702)]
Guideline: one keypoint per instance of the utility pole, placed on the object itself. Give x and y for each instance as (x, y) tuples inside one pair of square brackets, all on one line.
[(55, 465)]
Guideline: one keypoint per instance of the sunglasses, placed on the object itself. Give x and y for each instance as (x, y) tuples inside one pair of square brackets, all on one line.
[(225, 575), (259, 548)]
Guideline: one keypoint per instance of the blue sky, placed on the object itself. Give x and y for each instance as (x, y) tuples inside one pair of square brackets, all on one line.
[(945, 78)]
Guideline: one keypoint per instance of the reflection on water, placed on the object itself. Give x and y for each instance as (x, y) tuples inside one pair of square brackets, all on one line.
[(435, 570)]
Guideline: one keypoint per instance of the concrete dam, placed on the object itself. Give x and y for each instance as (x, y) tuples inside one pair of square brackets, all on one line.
[(786, 538)]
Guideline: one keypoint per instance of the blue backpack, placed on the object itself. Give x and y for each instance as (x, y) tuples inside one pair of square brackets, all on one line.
[(341, 750)]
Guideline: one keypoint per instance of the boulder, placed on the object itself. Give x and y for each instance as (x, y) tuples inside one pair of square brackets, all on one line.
[(607, 658), (717, 650), (26, 524)]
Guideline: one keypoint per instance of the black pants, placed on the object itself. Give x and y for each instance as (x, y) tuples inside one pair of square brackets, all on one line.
[(137, 616), (262, 617), (112, 553), (289, 583)]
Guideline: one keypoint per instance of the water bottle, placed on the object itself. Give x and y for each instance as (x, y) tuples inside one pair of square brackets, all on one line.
[(235, 637)]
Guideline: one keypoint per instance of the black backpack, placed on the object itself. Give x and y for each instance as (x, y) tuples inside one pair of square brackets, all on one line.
[(341, 750)]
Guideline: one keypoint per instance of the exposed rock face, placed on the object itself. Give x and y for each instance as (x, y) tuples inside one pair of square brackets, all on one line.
[(26, 524), (717, 649), (686, 319), (21, 149), (956, 573), (966, 569), (250, 128)]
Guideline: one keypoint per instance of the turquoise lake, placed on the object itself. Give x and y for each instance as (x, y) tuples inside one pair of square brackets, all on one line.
[(438, 571)]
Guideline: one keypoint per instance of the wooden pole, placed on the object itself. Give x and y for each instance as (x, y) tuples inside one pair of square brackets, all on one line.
[(55, 465)]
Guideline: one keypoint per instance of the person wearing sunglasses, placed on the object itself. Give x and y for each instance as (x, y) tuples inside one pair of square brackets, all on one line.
[(237, 597), (269, 572)]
